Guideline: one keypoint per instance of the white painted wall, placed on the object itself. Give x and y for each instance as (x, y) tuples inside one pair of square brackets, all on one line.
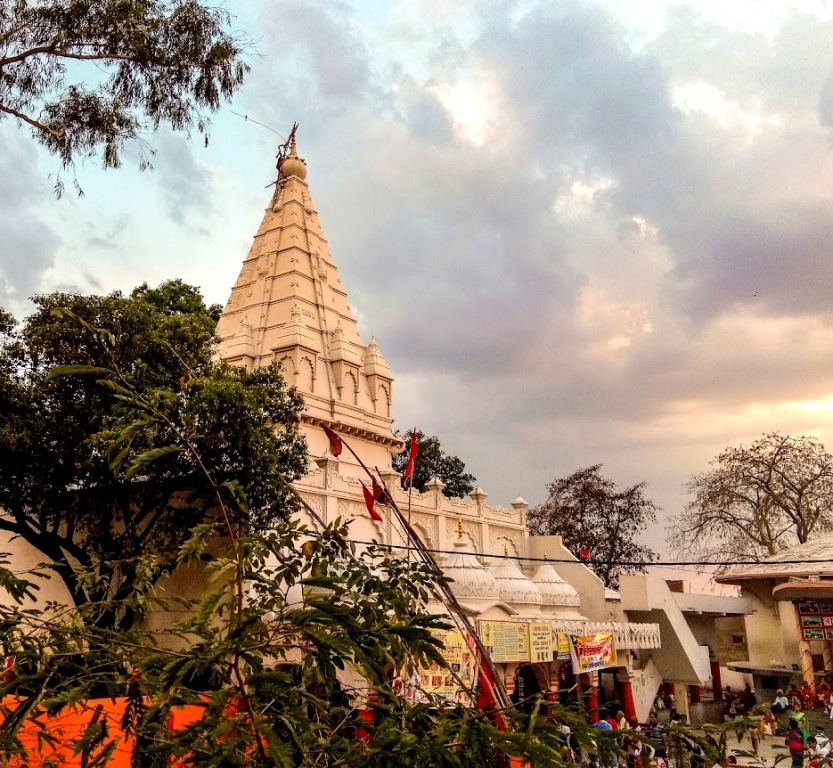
[(645, 684)]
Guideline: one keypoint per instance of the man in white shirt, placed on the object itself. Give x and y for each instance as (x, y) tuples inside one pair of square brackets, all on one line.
[(817, 750)]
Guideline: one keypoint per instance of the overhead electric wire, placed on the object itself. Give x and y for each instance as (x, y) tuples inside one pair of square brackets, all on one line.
[(262, 125), (591, 561)]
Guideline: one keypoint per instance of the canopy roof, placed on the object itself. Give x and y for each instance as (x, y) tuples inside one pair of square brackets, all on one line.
[(813, 558)]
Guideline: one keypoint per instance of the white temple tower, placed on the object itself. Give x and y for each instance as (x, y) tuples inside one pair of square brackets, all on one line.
[(289, 306)]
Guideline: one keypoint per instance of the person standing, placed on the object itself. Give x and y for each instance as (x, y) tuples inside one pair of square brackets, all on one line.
[(796, 743), (748, 699), (801, 719)]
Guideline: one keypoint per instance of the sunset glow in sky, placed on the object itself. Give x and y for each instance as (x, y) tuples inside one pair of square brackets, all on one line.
[(582, 232)]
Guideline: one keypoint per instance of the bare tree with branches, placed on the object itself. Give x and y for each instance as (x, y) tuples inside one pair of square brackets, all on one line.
[(757, 500)]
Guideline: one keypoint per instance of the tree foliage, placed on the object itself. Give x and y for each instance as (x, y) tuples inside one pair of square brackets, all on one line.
[(757, 500), (90, 479), (432, 462), (90, 75), (280, 616), (588, 511)]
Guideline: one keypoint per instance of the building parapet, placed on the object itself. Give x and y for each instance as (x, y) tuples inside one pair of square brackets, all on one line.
[(629, 636)]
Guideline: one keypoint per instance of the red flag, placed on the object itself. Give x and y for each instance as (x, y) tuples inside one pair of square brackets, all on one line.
[(336, 445), (486, 699), (380, 495), (370, 501), (413, 452), (583, 553)]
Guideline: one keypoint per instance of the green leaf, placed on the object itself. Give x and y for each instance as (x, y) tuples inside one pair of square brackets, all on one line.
[(148, 457), (19, 589), (75, 370)]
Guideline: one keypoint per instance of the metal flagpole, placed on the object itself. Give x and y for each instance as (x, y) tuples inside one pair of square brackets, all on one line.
[(445, 594)]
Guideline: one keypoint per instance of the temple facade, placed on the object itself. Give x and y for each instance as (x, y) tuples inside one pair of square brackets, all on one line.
[(289, 306)]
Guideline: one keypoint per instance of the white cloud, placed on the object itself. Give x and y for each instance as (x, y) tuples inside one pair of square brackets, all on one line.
[(572, 249), (748, 121), (583, 197), (474, 107)]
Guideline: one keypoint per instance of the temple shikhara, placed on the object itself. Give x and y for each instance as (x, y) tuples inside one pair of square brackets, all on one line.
[(526, 595)]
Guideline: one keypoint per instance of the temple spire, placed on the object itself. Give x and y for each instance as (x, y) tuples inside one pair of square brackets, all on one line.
[(290, 299)]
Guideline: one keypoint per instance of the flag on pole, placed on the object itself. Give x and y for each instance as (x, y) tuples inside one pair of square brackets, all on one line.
[(486, 697), (413, 452), (370, 501), (336, 446), (380, 495)]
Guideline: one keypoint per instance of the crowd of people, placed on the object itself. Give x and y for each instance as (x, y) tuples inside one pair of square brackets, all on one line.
[(643, 744), (631, 744), (797, 738)]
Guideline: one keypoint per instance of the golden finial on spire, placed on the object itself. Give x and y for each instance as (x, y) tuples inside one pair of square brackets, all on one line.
[(292, 165)]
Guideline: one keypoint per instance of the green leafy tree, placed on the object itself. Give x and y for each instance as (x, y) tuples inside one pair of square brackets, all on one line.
[(87, 76), (432, 462), (757, 500), (592, 515), (281, 614), (96, 486)]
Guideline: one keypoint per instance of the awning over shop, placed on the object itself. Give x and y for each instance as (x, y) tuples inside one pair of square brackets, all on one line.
[(804, 590), (764, 669)]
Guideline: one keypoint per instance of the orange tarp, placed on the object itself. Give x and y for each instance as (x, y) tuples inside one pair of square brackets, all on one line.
[(51, 739)]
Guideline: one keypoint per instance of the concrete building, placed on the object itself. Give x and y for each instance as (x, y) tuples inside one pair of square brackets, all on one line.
[(790, 628), (527, 595)]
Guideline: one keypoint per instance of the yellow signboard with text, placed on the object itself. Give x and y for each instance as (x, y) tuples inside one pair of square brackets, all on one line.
[(506, 641)]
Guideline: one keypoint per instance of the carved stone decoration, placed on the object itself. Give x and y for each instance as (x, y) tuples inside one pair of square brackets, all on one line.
[(351, 510), (497, 536), (470, 529), (428, 525), (514, 587), (469, 577), (329, 465), (555, 590), (318, 504)]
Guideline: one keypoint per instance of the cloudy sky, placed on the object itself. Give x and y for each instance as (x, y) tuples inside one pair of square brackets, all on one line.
[(582, 232)]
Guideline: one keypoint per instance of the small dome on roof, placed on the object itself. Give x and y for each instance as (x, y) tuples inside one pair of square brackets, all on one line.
[(554, 590), (470, 578), (293, 165), (515, 588)]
